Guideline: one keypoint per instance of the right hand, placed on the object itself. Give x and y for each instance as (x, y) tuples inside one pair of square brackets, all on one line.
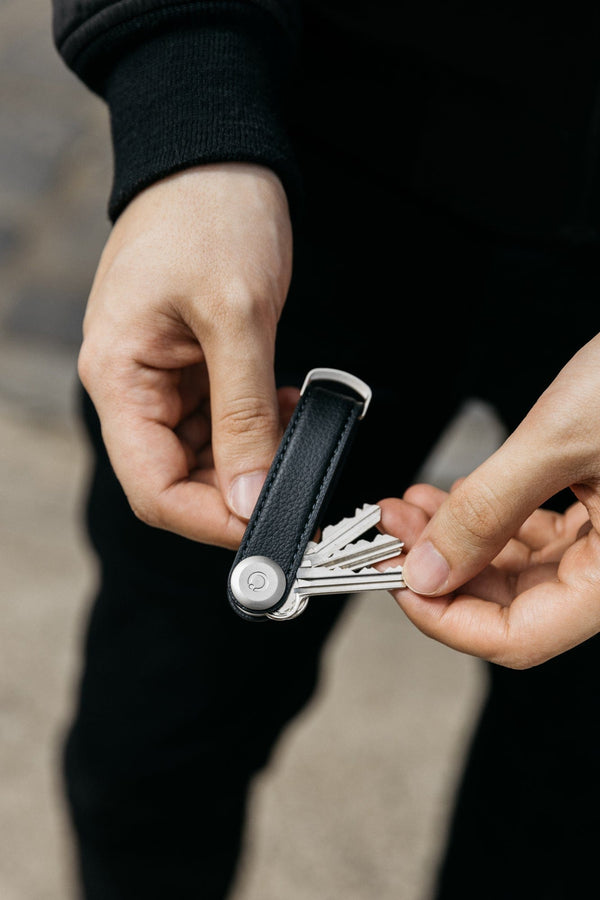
[(489, 571), (178, 349)]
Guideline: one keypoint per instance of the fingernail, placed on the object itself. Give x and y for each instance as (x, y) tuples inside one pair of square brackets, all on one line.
[(425, 570), (244, 492)]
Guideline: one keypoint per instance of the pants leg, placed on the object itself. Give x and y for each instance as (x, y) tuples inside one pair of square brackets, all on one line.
[(179, 706), (527, 818)]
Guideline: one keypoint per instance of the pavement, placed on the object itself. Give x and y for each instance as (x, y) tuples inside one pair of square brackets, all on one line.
[(355, 801)]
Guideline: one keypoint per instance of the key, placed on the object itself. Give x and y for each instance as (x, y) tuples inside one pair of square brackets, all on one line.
[(347, 530), (340, 564), (323, 580), (362, 553)]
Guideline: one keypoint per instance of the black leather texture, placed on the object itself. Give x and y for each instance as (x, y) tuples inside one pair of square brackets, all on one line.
[(300, 481)]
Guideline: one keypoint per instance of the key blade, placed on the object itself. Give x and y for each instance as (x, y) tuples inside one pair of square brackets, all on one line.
[(324, 573), (343, 533), (363, 553), (321, 580), (368, 587)]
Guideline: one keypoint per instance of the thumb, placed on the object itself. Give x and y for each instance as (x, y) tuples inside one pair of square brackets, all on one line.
[(480, 516), (245, 418)]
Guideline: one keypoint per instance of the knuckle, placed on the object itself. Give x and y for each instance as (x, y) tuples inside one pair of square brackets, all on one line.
[(476, 514), (147, 513), (85, 364), (237, 306), (248, 416), (237, 298), (93, 363)]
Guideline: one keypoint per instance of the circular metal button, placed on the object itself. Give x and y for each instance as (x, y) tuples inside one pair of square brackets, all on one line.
[(257, 582)]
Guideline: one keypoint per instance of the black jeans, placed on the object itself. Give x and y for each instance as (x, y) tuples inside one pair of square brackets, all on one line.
[(173, 719)]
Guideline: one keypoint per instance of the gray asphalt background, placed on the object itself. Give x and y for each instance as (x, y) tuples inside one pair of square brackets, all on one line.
[(356, 800)]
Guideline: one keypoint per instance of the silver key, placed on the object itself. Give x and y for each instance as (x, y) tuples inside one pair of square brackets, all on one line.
[(347, 530), (323, 580), (336, 565), (362, 553)]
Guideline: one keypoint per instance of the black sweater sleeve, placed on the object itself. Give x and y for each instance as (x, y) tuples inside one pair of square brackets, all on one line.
[(186, 82)]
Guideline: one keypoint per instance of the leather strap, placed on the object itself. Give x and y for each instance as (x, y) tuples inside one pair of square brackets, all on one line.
[(296, 492)]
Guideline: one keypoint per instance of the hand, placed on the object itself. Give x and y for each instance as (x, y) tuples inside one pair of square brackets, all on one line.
[(178, 347), (532, 602), (489, 572)]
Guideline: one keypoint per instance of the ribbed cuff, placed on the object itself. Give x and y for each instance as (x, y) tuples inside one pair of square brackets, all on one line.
[(195, 95)]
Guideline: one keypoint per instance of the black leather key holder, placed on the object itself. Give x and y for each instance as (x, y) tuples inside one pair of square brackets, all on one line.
[(296, 491)]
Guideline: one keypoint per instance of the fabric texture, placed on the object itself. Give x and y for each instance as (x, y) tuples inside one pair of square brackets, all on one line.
[(492, 112)]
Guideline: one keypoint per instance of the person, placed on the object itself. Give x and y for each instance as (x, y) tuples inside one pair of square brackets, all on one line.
[(408, 192)]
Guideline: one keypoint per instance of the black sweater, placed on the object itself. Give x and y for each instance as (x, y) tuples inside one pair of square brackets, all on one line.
[(491, 110)]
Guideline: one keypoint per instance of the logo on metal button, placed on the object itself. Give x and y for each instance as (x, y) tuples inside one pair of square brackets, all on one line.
[(257, 581)]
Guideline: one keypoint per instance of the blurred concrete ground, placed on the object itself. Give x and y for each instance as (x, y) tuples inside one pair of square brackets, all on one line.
[(355, 802)]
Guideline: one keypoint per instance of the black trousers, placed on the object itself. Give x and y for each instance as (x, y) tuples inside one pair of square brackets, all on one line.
[(171, 720)]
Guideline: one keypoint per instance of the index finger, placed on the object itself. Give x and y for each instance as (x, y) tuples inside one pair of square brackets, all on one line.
[(151, 464)]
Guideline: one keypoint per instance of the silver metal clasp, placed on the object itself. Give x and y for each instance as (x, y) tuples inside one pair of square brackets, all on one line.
[(345, 378)]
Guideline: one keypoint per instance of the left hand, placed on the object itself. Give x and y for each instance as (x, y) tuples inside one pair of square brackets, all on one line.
[(539, 597)]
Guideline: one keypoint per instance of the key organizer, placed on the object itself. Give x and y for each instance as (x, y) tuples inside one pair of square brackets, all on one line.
[(296, 491)]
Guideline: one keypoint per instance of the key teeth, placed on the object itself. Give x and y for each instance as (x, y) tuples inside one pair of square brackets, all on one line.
[(341, 555), (363, 543), (324, 571), (359, 512), (369, 570), (348, 523), (352, 547), (332, 572)]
